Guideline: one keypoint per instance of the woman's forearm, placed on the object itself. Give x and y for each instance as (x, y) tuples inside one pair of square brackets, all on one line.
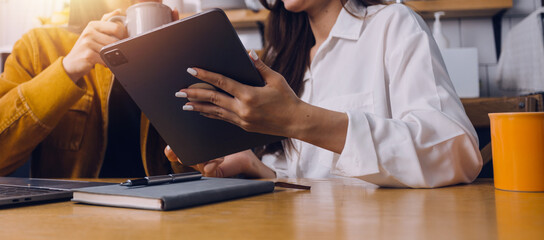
[(321, 127)]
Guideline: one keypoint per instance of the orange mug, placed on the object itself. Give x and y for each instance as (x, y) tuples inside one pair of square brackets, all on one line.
[(517, 142)]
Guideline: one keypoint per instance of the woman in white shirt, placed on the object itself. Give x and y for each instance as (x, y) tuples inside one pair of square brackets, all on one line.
[(367, 95)]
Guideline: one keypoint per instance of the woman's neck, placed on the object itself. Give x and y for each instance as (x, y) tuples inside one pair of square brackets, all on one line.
[(322, 19)]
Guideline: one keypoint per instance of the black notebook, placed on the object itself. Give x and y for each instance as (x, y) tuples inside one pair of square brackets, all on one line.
[(172, 195)]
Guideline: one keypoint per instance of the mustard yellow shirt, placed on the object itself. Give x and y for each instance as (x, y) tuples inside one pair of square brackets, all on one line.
[(63, 126)]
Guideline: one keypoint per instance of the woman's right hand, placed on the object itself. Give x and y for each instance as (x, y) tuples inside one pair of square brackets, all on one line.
[(85, 53), (244, 162)]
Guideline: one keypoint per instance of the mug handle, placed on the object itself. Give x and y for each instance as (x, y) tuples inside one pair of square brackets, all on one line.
[(121, 19)]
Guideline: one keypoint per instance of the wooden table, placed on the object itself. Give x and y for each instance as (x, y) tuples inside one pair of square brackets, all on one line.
[(333, 209)]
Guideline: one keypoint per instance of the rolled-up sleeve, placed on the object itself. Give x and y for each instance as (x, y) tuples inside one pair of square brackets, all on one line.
[(428, 141)]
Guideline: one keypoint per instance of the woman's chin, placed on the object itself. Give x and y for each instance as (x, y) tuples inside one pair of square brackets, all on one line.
[(294, 5)]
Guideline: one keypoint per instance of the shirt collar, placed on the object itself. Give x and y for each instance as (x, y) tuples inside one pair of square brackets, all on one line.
[(350, 27), (307, 75)]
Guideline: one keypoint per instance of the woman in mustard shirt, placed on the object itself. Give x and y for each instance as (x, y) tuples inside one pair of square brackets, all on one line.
[(60, 104)]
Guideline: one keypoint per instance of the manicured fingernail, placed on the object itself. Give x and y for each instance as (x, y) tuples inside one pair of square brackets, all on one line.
[(188, 108), (192, 71), (253, 55), (181, 94), (168, 148)]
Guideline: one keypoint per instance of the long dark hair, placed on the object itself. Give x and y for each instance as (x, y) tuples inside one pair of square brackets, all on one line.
[(288, 41)]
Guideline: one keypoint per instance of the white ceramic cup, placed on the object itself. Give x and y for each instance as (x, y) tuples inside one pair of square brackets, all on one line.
[(144, 16)]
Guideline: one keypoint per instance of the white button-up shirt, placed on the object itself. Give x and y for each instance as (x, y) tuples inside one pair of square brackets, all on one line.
[(407, 126)]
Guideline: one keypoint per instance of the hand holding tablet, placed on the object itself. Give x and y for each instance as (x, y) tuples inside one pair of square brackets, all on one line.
[(152, 67)]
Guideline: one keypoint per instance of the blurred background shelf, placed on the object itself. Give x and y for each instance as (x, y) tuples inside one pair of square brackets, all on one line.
[(242, 18), (459, 8)]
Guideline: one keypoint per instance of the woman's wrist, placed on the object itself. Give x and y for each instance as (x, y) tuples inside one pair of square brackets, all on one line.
[(321, 127), (301, 123), (257, 169), (297, 125), (72, 74)]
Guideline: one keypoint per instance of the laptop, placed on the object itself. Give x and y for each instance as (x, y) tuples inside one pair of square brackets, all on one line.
[(152, 67), (23, 191)]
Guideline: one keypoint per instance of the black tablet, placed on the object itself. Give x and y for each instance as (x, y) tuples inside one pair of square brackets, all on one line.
[(152, 68)]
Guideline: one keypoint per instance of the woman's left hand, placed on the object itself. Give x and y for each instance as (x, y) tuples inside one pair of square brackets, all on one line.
[(244, 162), (271, 109)]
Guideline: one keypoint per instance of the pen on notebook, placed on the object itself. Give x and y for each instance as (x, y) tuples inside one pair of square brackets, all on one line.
[(170, 178)]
